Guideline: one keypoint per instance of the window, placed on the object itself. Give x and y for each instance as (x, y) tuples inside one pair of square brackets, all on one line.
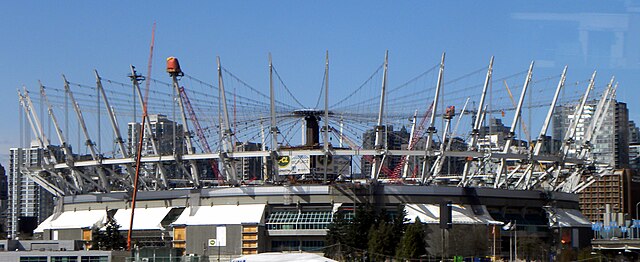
[(94, 259), (64, 259), (312, 245), (291, 220), (33, 259), (288, 245)]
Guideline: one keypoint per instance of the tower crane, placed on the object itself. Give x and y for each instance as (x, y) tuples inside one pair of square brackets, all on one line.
[(415, 137), (200, 133)]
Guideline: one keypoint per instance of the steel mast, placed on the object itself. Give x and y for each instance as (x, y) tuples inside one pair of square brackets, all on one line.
[(114, 125), (77, 175), (274, 127), (379, 128), (514, 123), (135, 78), (195, 177), (227, 145), (89, 143), (478, 121), (327, 154), (528, 173), (432, 129)]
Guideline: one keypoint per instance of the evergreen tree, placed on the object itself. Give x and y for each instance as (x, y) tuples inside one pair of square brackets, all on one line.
[(336, 237), (412, 244), (362, 222), (381, 242), (110, 239), (398, 225), (347, 237)]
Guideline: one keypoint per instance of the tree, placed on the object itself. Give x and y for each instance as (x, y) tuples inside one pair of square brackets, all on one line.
[(399, 224), (347, 237), (110, 239), (412, 244), (381, 242)]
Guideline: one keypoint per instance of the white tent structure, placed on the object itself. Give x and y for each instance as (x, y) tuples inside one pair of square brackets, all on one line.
[(273, 257)]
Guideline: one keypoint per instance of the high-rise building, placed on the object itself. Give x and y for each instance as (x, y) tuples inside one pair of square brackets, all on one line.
[(166, 134), (634, 132), (609, 146), (634, 146), (611, 142), (28, 203), (619, 190), (249, 168), (393, 140), (634, 156), (495, 135)]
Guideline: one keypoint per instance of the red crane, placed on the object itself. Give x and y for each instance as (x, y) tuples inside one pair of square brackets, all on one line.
[(417, 133), (200, 133)]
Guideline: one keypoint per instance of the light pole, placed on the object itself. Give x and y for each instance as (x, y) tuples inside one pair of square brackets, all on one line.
[(515, 247)]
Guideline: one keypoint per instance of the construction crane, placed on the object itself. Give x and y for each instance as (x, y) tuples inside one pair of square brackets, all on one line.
[(417, 133), (144, 118), (200, 133), (385, 170)]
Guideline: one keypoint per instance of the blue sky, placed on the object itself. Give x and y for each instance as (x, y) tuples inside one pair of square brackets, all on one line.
[(42, 40)]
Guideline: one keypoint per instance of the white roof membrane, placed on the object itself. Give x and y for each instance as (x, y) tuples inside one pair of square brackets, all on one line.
[(461, 214), (221, 215)]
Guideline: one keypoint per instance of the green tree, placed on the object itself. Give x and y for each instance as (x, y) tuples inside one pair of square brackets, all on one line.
[(110, 238), (347, 238), (381, 242), (398, 225), (412, 244)]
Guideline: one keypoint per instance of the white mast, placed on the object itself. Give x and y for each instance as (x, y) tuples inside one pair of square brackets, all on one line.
[(150, 135), (227, 143), (89, 143), (379, 128), (195, 174), (478, 121), (274, 127), (543, 132), (432, 129), (514, 123)]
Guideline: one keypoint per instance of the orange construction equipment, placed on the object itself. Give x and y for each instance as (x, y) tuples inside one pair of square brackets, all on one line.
[(173, 66)]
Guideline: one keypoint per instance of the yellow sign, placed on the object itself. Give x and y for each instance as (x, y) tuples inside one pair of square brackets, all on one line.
[(283, 161), (212, 242)]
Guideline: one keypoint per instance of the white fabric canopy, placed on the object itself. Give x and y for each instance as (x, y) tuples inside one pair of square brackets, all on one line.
[(273, 257), (74, 220), (221, 215), (461, 214), (46, 224), (567, 218), (144, 218)]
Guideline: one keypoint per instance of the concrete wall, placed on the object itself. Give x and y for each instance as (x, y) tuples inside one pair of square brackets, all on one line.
[(112, 256), (69, 234), (198, 237)]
